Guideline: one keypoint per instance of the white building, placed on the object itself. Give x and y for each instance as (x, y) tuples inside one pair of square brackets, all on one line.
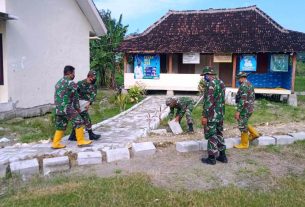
[(38, 38)]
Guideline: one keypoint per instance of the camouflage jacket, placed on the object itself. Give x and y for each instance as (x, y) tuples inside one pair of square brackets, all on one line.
[(214, 101), (245, 98), (65, 96), (86, 91), (182, 104)]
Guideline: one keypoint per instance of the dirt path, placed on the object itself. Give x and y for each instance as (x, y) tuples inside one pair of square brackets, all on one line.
[(229, 132), (256, 168)]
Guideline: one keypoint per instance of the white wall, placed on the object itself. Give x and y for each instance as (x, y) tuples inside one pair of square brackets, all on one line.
[(48, 35), (167, 81), (2, 6), (4, 88)]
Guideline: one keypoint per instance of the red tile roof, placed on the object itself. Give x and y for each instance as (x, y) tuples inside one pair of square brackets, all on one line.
[(240, 30)]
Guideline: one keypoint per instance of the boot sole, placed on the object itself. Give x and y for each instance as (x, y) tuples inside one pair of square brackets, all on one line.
[(58, 147), (204, 160), (84, 145), (222, 161)]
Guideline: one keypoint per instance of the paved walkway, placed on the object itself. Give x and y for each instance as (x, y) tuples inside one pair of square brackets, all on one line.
[(119, 131)]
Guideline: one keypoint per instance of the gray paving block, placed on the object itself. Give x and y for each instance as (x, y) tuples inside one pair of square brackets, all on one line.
[(159, 131), (25, 167), (187, 146), (283, 139), (55, 164), (203, 144), (143, 149), (265, 140), (298, 135), (3, 167), (230, 142), (117, 154), (89, 158)]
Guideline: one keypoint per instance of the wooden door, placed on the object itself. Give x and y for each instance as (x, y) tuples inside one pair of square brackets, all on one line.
[(225, 73), (185, 68)]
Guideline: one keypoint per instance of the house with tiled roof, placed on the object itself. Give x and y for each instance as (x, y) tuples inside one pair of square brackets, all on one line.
[(37, 39), (171, 53)]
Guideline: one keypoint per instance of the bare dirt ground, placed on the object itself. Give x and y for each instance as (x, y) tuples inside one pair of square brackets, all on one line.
[(256, 168), (229, 132)]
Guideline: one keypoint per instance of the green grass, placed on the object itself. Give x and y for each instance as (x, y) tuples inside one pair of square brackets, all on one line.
[(299, 83), (38, 128), (137, 190)]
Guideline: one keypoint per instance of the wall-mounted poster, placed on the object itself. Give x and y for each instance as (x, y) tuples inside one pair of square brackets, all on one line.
[(147, 67), (247, 63), (279, 63), (191, 58)]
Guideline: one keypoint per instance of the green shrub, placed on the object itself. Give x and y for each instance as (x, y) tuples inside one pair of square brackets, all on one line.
[(136, 93), (121, 101)]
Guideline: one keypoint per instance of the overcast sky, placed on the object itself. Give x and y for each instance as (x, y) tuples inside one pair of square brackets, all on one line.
[(140, 14)]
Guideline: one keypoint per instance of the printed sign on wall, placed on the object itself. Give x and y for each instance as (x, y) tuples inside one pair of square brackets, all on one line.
[(279, 63), (147, 67), (247, 63), (191, 58)]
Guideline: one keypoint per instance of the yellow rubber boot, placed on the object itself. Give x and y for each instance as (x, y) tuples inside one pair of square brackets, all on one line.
[(56, 140), (244, 143), (80, 137), (253, 133)]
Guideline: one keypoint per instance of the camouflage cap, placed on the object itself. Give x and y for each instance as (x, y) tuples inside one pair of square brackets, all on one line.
[(241, 74), (91, 73), (170, 100), (208, 70)]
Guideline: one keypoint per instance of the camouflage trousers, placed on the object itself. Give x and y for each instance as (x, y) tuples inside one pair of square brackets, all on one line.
[(188, 115), (243, 122), (72, 115), (213, 133), (87, 120)]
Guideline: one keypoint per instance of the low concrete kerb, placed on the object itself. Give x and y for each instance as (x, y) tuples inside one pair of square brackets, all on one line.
[(192, 146), (62, 163)]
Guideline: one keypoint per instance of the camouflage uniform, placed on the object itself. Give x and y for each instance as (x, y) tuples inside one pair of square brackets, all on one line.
[(67, 104), (184, 106), (245, 104), (213, 111), (86, 91)]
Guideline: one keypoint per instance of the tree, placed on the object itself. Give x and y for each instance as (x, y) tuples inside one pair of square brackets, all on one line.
[(103, 57)]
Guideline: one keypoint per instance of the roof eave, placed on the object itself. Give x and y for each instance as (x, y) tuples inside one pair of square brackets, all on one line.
[(6, 16), (93, 16)]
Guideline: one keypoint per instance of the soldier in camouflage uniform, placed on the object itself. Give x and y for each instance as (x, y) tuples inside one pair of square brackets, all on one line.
[(213, 116), (183, 105), (245, 106), (67, 109), (87, 91)]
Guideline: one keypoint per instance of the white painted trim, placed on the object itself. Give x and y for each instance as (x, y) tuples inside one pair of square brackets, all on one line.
[(264, 91)]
